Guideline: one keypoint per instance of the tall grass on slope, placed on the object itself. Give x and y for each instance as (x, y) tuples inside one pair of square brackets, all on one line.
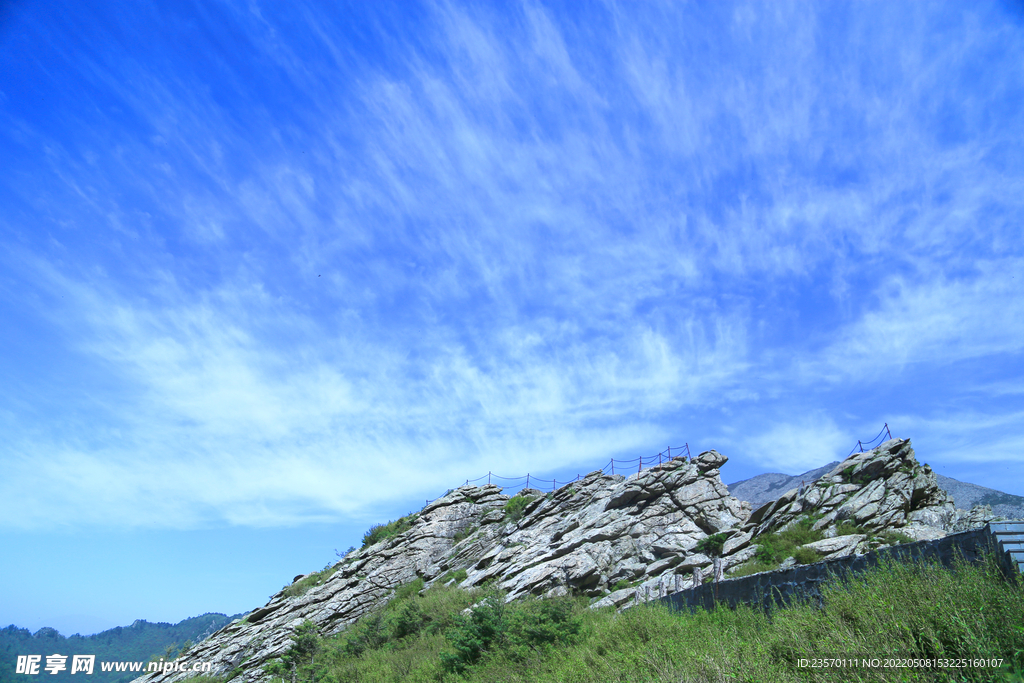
[(894, 610)]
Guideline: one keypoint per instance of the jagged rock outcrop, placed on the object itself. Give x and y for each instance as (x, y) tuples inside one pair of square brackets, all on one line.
[(613, 538), (586, 537), (881, 490)]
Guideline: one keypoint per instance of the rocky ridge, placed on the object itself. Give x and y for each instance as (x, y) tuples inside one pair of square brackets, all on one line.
[(612, 538), (858, 500), (766, 487)]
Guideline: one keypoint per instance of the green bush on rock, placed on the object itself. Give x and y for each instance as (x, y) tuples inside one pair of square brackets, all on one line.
[(380, 532), (515, 506)]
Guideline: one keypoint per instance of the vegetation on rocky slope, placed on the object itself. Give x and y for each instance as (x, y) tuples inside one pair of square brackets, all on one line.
[(516, 505), (380, 532), (302, 586), (608, 539), (919, 611), (774, 547)]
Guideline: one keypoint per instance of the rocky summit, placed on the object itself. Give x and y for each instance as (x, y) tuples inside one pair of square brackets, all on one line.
[(616, 539)]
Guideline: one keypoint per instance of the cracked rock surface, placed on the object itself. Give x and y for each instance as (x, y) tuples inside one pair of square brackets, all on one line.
[(881, 490), (613, 538)]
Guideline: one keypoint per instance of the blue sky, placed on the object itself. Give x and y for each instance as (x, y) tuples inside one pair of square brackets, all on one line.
[(273, 272)]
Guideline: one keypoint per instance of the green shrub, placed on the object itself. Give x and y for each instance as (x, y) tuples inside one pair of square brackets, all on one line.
[(410, 589), (769, 551), (520, 631), (299, 663), (404, 620), (367, 633), (380, 532), (620, 584), (806, 555), (349, 556), (463, 534), (515, 506), (804, 527), (459, 575), (474, 634), (774, 547), (712, 545), (402, 617)]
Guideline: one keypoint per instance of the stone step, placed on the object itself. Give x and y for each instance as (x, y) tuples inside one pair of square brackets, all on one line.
[(1010, 538)]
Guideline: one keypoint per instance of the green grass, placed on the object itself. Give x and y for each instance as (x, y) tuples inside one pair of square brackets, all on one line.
[(773, 548), (459, 575), (463, 534), (848, 528), (302, 586), (891, 537), (806, 555), (752, 567), (380, 532), (899, 610)]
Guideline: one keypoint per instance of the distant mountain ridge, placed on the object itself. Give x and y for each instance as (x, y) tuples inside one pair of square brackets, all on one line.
[(767, 487), (138, 643)]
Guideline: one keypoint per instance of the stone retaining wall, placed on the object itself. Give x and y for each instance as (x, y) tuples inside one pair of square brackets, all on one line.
[(780, 587)]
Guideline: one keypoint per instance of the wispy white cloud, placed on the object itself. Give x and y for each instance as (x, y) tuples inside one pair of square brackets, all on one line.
[(524, 239), (224, 422), (793, 446), (936, 320)]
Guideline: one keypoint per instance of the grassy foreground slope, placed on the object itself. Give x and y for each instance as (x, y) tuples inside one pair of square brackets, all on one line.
[(915, 611)]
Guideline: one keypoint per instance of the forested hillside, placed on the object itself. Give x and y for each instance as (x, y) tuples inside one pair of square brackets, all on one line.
[(138, 642)]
